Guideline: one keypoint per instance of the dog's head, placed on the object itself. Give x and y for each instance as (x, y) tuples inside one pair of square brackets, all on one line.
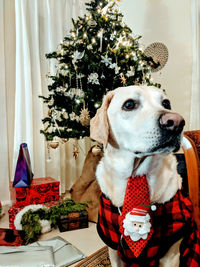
[(138, 119)]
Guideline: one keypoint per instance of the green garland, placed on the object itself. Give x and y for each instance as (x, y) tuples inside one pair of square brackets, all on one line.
[(31, 219)]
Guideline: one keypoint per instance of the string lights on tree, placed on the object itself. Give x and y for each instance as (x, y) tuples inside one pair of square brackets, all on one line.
[(99, 54)]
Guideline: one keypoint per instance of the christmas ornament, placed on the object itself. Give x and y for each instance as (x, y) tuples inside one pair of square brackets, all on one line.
[(135, 57), (106, 60), (123, 79), (131, 72), (100, 35), (96, 150), (140, 66), (58, 90), (115, 67), (112, 50), (77, 55), (93, 78), (85, 117), (89, 47), (54, 144), (112, 36), (75, 151), (54, 115), (69, 130), (64, 140), (65, 114), (159, 53), (64, 88), (105, 9), (119, 42), (73, 116)]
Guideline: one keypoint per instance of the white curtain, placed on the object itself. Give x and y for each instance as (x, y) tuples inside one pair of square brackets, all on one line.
[(195, 92), (30, 29), (40, 27), (4, 158)]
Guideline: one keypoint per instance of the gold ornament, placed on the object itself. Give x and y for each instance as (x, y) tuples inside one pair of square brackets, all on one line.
[(84, 117), (64, 140), (105, 18), (54, 144), (112, 50), (96, 150), (75, 152), (123, 79)]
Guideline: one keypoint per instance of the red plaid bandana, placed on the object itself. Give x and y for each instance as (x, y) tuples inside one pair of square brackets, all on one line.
[(137, 194)]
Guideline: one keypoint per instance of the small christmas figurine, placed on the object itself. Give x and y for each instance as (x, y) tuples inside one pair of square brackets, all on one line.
[(137, 223)]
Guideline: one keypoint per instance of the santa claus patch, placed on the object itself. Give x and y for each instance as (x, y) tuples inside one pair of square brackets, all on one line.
[(137, 223)]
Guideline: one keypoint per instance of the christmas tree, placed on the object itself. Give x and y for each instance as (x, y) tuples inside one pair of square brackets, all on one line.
[(99, 54)]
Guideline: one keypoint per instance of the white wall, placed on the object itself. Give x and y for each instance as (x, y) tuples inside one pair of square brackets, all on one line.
[(167, 21)]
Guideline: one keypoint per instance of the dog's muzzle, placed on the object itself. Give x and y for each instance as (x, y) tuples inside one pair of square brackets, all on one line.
[(171, 127)]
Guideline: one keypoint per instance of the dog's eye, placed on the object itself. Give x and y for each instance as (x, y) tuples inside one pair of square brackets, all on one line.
[(166, 104), (130, 105)]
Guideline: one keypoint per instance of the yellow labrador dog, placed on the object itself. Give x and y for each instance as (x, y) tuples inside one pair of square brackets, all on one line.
[(139, 131)]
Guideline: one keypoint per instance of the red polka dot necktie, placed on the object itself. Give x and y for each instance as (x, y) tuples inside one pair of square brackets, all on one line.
[(137, 193)]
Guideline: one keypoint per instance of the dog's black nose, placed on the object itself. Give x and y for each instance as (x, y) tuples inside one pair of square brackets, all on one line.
[(172, 122)]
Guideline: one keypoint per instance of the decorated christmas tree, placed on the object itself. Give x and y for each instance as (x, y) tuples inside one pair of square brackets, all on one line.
[(99, 54)]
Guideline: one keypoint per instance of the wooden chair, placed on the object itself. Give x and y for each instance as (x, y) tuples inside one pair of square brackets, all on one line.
[(191, 149)]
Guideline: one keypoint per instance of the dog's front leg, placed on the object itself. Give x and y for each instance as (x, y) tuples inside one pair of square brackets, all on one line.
[(114, 258)]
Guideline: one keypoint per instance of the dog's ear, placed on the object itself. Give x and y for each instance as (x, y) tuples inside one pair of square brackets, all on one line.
[(99, 124)]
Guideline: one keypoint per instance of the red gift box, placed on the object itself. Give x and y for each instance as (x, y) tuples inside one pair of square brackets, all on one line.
[(41, 190), (12, 212)]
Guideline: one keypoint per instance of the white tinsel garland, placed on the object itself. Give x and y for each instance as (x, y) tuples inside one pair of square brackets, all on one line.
[(45, 224)]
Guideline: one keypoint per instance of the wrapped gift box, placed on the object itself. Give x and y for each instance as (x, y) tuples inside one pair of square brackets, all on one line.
[(41, 190), (26, 256), (64, 252), (12, 212), (73, 220)]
